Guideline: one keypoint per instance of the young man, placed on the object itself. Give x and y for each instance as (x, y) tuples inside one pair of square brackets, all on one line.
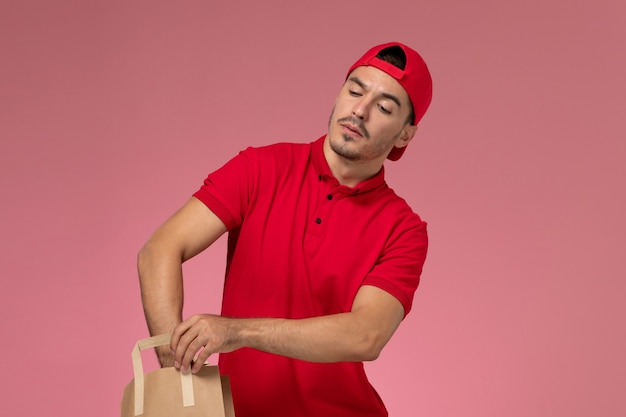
[(323, 257)]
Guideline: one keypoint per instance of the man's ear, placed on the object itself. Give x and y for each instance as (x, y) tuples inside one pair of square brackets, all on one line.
[(406, 136)]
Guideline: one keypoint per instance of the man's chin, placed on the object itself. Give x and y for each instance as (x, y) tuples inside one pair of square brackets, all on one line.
[(343, 151)]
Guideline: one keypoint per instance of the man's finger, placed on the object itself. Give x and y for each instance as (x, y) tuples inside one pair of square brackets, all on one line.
[(178, 331), (185, 335), (189, 353), (200, 360)]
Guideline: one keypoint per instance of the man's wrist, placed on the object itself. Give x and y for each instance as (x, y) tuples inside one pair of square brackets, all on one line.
[(165, 357)]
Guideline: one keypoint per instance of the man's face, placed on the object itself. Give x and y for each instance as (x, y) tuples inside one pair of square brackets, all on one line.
[(370, 116)]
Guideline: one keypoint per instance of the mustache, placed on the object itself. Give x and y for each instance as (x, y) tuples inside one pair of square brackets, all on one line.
[(356, 122)]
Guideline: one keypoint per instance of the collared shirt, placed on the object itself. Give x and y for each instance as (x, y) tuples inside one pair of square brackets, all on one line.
[(301, 245)]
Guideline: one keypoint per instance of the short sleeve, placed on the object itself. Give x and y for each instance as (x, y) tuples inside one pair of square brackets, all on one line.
[(227, 190), (399, 267)]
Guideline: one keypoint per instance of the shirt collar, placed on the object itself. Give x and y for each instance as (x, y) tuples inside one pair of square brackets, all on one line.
[(322, 170)]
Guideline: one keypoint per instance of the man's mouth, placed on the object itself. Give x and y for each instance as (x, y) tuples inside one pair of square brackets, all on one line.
[(353, 127), (349, 128)]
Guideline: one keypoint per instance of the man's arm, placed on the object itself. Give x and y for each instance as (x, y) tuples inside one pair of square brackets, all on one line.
[(188, 232), (358, 335)]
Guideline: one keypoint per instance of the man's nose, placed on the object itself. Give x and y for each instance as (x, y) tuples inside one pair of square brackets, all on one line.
[(360, 109)]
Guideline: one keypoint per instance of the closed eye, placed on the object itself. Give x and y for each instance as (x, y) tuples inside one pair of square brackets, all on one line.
[(384, 109)]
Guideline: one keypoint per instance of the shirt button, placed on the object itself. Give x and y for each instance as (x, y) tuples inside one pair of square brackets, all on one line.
[(329, 196), (318, 220)]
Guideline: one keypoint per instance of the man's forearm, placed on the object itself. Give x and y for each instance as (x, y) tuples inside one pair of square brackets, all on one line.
[(160, 278), (188, 232), (358, 335), (334, 338)]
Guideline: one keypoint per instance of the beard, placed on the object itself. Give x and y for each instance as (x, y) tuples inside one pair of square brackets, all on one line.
[(340, 148), (341, 143)]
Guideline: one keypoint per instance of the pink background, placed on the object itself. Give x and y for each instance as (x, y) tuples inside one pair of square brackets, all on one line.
[(112, 113)]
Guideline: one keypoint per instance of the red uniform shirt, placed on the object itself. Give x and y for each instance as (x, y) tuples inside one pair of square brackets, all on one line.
[(301, 245)]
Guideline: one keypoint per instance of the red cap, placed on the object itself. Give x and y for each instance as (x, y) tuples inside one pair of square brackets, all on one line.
[(414, 78)]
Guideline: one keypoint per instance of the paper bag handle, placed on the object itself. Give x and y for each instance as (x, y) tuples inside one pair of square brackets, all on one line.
[(185, 378)]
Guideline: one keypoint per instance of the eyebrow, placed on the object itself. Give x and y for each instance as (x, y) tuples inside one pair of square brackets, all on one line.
[(361, 84)]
